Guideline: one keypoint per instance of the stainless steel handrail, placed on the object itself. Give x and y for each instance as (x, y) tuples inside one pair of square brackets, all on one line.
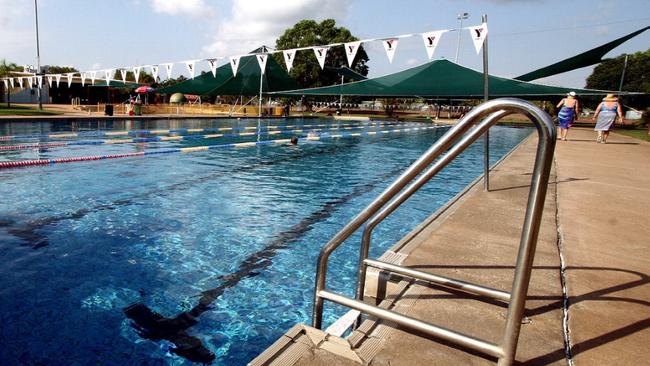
[(494, 111)]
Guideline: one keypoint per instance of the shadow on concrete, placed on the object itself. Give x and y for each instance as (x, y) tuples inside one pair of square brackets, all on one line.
[(568, 180)]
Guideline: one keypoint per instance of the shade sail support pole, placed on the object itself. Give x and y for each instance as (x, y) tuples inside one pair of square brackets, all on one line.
[(486, 97)]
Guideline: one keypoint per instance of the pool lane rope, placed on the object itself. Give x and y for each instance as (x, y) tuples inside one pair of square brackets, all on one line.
[(185, 150), (175, 131), (48, 145)]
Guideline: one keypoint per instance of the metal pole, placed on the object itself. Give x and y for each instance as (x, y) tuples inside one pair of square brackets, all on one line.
[(460, 30), (620, 85), (341, 97), (486, 92), (260, 101), (38, 57)]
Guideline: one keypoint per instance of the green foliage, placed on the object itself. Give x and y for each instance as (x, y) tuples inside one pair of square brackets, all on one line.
[(6, 68), (170, 82), (306, 69), (60, 69), (607, 76)]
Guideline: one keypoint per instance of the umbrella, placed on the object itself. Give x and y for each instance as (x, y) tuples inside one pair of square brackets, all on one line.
[(144, 89)]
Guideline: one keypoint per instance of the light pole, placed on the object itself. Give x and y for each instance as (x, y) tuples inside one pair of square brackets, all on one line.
[(38, 57), (460, 17)]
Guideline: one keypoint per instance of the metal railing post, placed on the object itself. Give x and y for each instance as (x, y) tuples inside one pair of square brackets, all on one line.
[(486, 97)]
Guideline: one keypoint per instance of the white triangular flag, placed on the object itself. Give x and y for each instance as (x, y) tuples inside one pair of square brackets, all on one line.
[(6, 82), (154, 71), (351, 49), (479, 33), (30, 81), (58, 79), (93, 76), (431, 40), (11, 82), (50, 79), (20, 82), (261, 59), (69, 76), (390, 45), (108, 73), (234, 63), (39, 81), (123, 73), (136, 72), (190, 68), (213, 66), (289, 55), (168, 69), (83, 79), (321, 53)]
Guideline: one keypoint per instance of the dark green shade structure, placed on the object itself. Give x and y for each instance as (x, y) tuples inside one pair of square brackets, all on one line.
[(246, 82), (439, 78), (584, 59)]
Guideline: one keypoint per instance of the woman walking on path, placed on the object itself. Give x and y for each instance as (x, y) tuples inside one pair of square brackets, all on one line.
[(567, 114), (605, 117)]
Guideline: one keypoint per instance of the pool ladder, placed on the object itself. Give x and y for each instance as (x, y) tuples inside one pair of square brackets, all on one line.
[(456, 140)]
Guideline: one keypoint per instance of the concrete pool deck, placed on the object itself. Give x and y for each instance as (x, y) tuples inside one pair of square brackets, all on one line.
[(596, 217)]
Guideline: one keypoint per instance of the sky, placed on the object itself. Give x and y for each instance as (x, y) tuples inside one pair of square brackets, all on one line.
[(523, 34)]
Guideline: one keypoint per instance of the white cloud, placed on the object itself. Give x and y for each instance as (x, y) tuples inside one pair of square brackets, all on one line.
[(259, 22), (192, 8), (411, 62)]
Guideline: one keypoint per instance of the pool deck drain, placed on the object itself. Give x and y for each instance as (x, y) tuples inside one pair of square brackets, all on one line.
[(597, 203)]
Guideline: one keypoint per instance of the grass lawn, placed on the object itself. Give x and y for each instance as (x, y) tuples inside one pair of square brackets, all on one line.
[(641, 134), (25, 111)]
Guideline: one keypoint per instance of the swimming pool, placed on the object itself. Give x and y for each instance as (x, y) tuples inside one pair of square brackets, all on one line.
[(118, 262)]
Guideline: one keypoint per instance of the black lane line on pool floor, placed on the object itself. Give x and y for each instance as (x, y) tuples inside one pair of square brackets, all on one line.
[(29, 231), (156, 327)]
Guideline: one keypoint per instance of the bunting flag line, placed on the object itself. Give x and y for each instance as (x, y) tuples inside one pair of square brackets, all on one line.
[(479, 33), (261, 59), (39, 81), (108, 73), (234, 64), (58, 79), (351, 49), (154, 71), (289, 56), (213, 66), (190, 68), (6, 82), (390, 45), (321, 53), (50, 78), (136, 72), (93, 76), (431, 40), (69, 76), (30, 81), (123, 72), (11, 81), (83, 79), (168, 69), (20, 82)]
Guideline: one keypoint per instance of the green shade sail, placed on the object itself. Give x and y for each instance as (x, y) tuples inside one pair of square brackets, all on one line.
[(246, 82), (584, 59), (439, 78)]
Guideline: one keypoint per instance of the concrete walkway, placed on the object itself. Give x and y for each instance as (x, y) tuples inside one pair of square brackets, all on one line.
[(595, 216)]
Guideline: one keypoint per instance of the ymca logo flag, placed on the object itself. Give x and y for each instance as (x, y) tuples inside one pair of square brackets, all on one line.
[(213, 66), (431, 40), (50, 79), (30, 81), (351, 49), (20, 82), (93, 76), (39, 81), (261, 59), (479, 33), (83, 79), (289, 55), (168, 69), (190, 68), (234, 64), (6, 82), (123, 73), (58, 79), (321, 53), (136, 72), (69, 76), (390, 45), (11, 82), (154, 71)]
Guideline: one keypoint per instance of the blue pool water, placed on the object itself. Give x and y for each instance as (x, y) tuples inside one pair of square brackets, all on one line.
[(223, 244)]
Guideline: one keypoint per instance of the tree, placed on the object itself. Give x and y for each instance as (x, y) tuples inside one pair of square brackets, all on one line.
[(7, 68), (306, 69), (607, 76), (60, 69)]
